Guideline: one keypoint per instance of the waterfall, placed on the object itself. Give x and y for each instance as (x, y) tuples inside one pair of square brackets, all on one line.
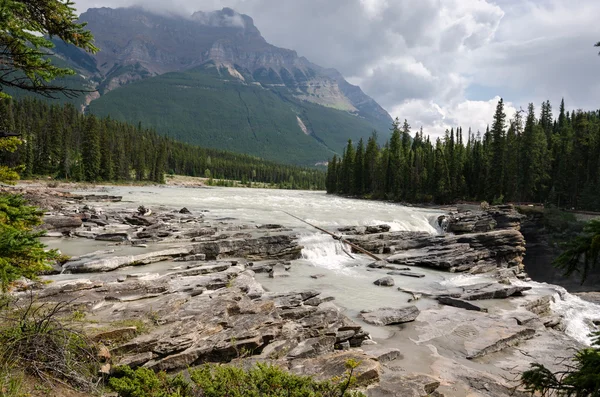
[(322, 250), (578, 315)]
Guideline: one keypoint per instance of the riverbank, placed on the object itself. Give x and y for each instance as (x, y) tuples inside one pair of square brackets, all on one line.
[(212, 284)]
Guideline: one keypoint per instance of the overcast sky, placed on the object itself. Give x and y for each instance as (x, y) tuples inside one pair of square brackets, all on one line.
[(437, 63)]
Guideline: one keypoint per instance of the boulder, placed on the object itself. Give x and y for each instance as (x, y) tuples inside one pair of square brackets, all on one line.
[(334, 365), (385, 282), (61, 223), (390, 316), (139, 220), (278, 271), (115, 237)]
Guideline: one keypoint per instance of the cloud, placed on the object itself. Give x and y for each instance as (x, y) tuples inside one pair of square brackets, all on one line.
[(436, 119), (437, 63)]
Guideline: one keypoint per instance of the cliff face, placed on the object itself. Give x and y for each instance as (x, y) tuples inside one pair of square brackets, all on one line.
[(543, 248)]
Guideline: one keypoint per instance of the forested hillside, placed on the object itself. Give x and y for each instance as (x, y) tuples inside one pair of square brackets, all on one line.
[(527, 159), (61, 142), (208, 106)]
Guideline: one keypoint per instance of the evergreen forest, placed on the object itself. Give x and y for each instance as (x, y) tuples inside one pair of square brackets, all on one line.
[(528, 159), (60, 141)]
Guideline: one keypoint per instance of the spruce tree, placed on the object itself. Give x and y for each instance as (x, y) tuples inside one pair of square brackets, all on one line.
[(91, 160), (359, 163), (498, 147)]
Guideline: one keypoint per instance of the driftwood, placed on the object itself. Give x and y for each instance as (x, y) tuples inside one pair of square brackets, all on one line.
[(336, 237)]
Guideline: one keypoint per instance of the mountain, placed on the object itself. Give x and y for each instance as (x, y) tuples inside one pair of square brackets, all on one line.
[(212, 79)]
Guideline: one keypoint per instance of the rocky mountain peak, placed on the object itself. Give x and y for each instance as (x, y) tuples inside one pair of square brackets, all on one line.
[(225, 18)]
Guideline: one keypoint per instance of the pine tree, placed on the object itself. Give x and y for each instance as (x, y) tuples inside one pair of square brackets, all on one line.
[(394, 168), (359, 164), (498, 147), (91, 150), (371, 157)]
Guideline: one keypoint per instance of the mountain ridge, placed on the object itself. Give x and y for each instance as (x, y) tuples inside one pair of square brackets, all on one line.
[(138, 45)]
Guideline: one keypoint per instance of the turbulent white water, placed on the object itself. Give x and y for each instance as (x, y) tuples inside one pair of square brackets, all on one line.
[(578, 314), (350, 283)]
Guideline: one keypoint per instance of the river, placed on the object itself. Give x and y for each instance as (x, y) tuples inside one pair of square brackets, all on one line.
[(345, 279)]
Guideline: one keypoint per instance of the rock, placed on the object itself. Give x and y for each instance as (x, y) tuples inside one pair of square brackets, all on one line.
[(278, 271), (99, 222), (377, 265), (390, 316), (122, 279), (190, 258), (361, 230), (462, 304), (313, 347), (470, 222), (61, 223), (200, 232), (540, 306), (385, 282), (334, 365), (500, 342), (136, 360), (116, 334), (113, 263), (98, 197), (412, 385), (270, 226), (407, 274), (103, 354), (85, 234), (184, 211), (377, 229), (116, 237), (552, 322), (383, 354), (490, 291), (280, 246), (479, 251), (140, 220)]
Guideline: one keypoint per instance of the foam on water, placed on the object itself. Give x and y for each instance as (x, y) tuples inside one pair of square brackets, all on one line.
[(578, 314), (321, 250)]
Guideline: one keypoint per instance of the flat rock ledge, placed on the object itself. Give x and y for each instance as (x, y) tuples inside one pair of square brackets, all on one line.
[(390, 316), (474, 242), (213, 313)]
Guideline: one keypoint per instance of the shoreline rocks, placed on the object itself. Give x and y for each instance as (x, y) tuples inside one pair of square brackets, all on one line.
[(209, 307)]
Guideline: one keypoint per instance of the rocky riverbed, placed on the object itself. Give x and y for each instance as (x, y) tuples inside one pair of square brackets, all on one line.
[(446, 311)]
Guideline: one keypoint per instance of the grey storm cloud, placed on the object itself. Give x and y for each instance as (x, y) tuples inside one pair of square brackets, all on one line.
[(419, 59)]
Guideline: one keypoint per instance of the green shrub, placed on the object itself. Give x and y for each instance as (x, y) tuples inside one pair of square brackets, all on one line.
[(231, 381), (144, 382), (581, 379), (21, 252)]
